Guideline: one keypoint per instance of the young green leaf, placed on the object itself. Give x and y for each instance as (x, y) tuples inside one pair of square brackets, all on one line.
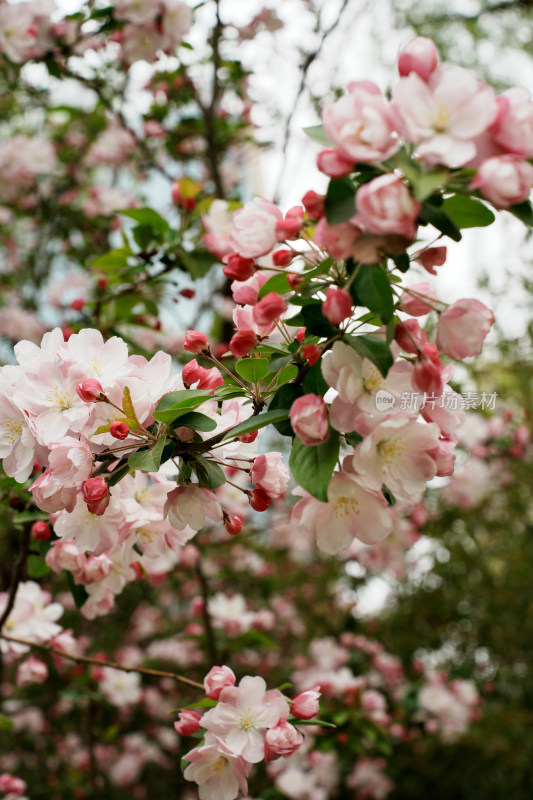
[(270, 417), (467, 212), (371, 288), (373, 348), (277, 283), (210, 475), (252, 370), (146, 216), (313, 467), (148, 460), (340, 200), (317, 134), (196, 421)]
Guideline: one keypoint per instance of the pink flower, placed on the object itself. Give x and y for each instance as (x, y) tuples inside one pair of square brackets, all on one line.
[(504, 180), (314, 204), (65, 555), (270, 474), (410, 336), (14, 787), (268, 309), (96, 494), (32, 670), (51, 496), (352, 511), (385, 205), (333, 164), (90, 390), (120, 688), (337, 240), (188, 722), (290, 226), (219, 772), (245, 292), (361, 124), (217, 679), (432, 257), (238, 268), (242, 342), (282, 741), (337, 306), (305, 705), (244, 714), (428, 371), (309, 419), (190, 505), (420, 56), (253, 232), (463, 327), (96, 569), (70, 462), (512, 130), (444, 115)]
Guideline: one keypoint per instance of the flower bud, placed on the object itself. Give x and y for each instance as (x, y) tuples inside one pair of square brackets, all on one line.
[(420, 56), (268, 309), (216, 680), (239, 268), (248, 438), (196, 342), (243, 342), (305, 705), (410, 336), (432, 257), (289, 228), (462, 328), (90, 390), (259, 500), (311, 353), (77, 304), (119, 430), (95, 494), (282, 258), (192, 372), (314, 204), (337, 306), (309, 419), (233, 524), (282, 740), (188, 722), (300, 335), (332, 164), (40, 530)]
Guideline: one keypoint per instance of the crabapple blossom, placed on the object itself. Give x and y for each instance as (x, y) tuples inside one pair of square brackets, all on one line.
[(268, 309), (188, 722), (305, 705), (270, 474), (385, 205), (463, 327), (31, 670), (120, 688), (191, 506), (282, 741), (219, 772), (337, 306), (33, 617), (217, 679), (244, 714), (309, 419), (504, 180), (420, 56), (253, 231), (512, 130), (17, 439)]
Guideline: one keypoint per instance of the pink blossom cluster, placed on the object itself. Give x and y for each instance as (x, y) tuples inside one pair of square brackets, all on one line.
[(448, 708), (248, 724), (150, 28)]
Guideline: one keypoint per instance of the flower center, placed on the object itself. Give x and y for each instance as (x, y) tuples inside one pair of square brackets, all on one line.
[(374, 381), (441, 118), (96, 364), (247, 719), (219, 765), (59, 398), (344, 506), (392, 451), (11, 430)]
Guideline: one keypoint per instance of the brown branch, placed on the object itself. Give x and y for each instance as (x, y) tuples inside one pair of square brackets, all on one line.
[(157, 673), (309, 59), (16, 576), (209, 631)]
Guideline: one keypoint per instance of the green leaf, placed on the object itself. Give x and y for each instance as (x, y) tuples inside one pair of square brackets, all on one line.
[(287, 374), (340, 200), (128, 408), (425, 184), (283, 400), (37, 567), (175, 404), (314, 383), (118, 474), (320, 269), (270, 417), (313, 467), (196, 421), (321, 722), (252, 369), (29, 516), (372, 289), (148, 460), (210, 475), (523, 212), (198, 263), (115, 259), (402, 262), (277, 283), (205, 702), (440, 220), (79, 592), (375, 349), (467, 212), (146, 216), (317, 134), (315, 322), (5, 723)]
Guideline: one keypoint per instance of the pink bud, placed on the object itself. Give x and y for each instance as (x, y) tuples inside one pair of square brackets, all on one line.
[(233, 525), (15, 787), (217, 679), (282, 258), (312, 353), (410, 336), (417, 300), (282, 741), (463, 327), (427, 372), (248, 438), (40, 530), (32, 670), (300, 335), (420, 56), (192, 372), (268, 309), (90, 390), (211, 379), (305, 705), (95, 494), (259, 500), (314, 204), (239, 268), (119, 430), (337, 306), (309, 419), (189, 722), (196, 342), (77, 304), (289, 228), (504, 180), (331, 163), (243, 342), (431, 258), (97, 568)]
